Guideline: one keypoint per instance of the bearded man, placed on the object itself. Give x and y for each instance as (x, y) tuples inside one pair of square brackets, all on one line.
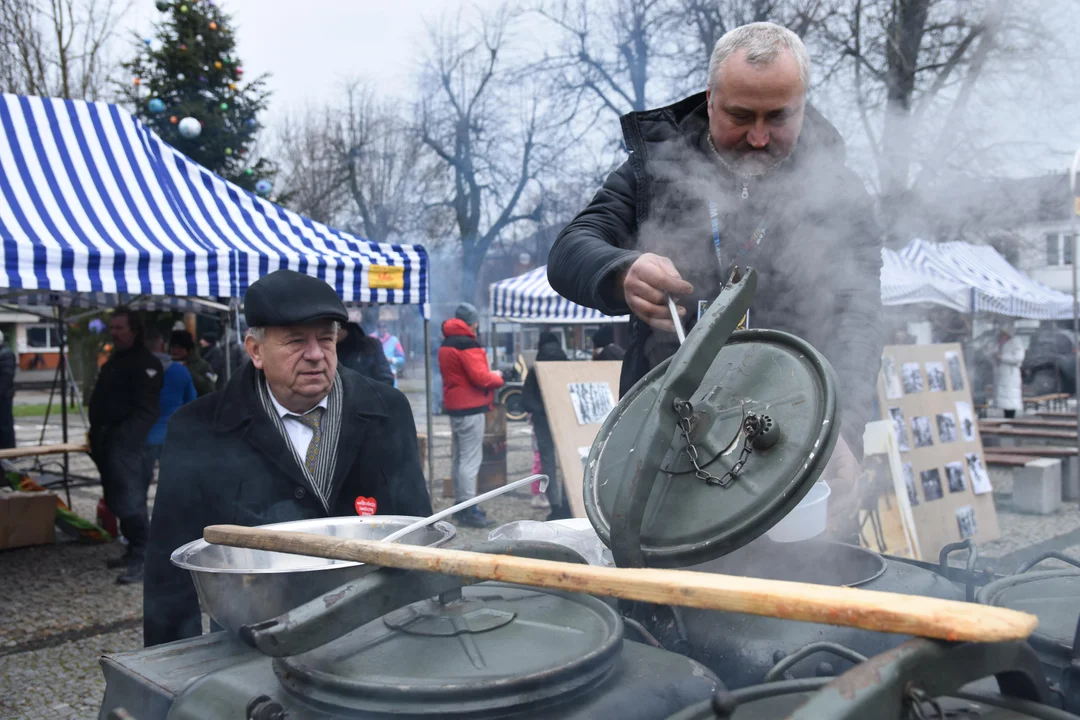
[(745, 173)]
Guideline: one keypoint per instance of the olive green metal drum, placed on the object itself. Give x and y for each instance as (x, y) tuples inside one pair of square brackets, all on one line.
[(715, 445)]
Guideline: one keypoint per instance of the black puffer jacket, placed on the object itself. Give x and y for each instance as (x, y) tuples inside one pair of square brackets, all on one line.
[(549, 351), (818, 263), (364, 355)]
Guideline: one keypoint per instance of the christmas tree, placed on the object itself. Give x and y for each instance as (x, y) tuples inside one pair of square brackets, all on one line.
[(187, 85)]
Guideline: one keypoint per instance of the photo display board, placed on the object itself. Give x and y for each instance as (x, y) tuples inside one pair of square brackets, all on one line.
[(578, 395), (924, 392), (887, 526)]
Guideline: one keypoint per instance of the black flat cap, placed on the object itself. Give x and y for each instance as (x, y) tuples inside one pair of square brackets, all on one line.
[(286, 297)]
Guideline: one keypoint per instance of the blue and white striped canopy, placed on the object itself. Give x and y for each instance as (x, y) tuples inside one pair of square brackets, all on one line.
[(529, 298), (995, 285), (904, 283), (92, 201)]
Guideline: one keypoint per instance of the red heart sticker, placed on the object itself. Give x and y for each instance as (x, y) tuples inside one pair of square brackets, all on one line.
[(365, 505)]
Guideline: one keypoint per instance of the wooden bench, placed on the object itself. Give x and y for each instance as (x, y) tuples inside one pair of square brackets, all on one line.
[(1051, 400), (1070, 463), (1028, 433), (34, 450), (1049, 424), (1006, 459)]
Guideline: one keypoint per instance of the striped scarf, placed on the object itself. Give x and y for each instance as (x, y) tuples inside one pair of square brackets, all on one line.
[(330, 430)]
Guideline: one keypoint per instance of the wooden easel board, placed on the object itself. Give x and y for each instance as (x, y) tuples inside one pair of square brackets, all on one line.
[(924, 390), (881, 470), (575, 397)]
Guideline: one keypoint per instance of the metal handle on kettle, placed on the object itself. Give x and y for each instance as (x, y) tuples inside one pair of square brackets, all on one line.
[(973, 555), (1051, 555), (360, 601), (921, 670), (683, 375), (806, 651)]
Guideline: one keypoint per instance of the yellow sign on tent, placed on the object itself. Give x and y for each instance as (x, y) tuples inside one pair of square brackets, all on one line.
[(386, 277)]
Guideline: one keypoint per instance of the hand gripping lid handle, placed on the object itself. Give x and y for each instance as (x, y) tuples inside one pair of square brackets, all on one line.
[(684, 374)]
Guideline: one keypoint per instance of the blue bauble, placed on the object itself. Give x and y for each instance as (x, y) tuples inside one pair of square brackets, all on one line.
[(155, 105), (263, 187), (250, 122)]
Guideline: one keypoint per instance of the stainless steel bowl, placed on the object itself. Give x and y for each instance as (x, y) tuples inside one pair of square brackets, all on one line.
[(238, 586)]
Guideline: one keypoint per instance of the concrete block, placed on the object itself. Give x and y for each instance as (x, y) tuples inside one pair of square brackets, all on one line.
[(1037, 487), (1070, 478)]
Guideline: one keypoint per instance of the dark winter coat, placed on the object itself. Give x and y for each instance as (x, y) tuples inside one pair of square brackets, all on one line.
[(531, 399), (468, 384), (201, 373), (7, 372), (215, 356), (818, 263), (224, 461), (611, 353), (364, 355), (125, 402)]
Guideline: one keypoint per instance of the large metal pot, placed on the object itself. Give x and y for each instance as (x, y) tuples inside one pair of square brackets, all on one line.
[(398, 644), (238, 586), (1054, 597), (920, 679), (741, 649)]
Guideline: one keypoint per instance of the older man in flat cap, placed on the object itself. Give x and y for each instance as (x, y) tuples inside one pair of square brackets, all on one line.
[(292, 436)]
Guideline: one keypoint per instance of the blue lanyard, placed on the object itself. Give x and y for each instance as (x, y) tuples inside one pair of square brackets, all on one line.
[(755, 238), (714, 216)]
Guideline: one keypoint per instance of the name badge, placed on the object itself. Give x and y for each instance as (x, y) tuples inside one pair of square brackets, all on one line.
[(703, 305)]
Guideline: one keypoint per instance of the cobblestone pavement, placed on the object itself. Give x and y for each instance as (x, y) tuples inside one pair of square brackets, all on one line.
[(62, 609)]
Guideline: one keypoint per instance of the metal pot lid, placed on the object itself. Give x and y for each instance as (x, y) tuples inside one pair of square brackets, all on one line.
[(490, 648), (1051, 595), (762, 396)]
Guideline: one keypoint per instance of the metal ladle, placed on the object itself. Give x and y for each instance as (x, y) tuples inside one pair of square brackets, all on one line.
[(543, 479)]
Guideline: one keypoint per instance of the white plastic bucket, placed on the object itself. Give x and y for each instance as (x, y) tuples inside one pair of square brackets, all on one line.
[(807, 520)]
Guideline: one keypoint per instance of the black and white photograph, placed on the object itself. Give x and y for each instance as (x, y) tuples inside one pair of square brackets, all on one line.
[(946, 427), (911, 373), (966, 420), (954, 474), (956, 373), (935, 376), (592, 402), (965, 518), (909, 483), (931, 484), (980, 480), (899, 428), (893, 389), (921, 432)]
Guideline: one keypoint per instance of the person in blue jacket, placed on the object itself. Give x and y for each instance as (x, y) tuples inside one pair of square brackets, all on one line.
[(177, 388)]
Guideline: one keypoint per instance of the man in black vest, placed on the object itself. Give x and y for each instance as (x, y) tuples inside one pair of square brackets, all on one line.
[(291, 437)]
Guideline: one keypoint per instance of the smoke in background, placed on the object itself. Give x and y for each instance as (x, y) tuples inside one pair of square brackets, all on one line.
[(817, 260)]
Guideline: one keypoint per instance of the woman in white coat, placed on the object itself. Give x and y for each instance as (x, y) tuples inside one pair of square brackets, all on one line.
[(1008, 393)]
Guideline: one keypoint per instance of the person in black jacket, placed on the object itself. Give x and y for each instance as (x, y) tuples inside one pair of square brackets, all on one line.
[(291, 437), (7, 394), (363, 354), (213, 354), (745, 173), (123, 408), (604, 347), (550, 350)]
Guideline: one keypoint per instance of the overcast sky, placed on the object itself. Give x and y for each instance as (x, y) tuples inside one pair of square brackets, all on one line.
[(309, 49)]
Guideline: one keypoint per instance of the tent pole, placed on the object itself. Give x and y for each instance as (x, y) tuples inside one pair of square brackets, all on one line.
[(1075, 192), (427, 396), (63, 369)]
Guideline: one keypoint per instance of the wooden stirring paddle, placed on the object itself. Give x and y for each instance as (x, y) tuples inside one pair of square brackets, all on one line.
[(851, 607)]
